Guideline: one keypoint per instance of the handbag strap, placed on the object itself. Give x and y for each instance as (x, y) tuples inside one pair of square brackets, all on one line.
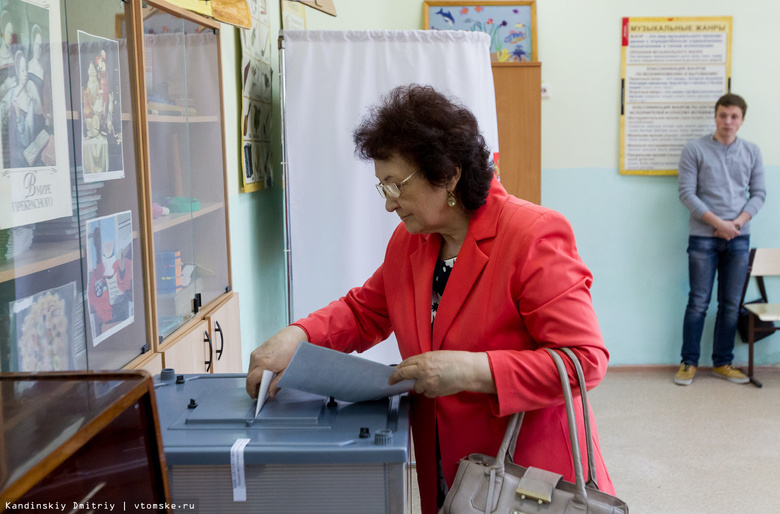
[(513, 438), (498, 466), (591, 482), (510, 440), (581, 497), (509, 443)]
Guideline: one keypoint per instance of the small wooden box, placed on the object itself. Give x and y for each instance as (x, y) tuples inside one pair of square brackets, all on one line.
[(80, 438)]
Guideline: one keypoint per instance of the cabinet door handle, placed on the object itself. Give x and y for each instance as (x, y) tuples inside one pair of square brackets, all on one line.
[(221, 340), (207, 338)]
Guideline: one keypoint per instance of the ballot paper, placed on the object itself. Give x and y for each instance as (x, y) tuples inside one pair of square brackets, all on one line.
[(262, 391), (346, 377)]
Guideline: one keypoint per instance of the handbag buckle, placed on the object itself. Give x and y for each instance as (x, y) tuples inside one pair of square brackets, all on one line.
[(538, 485)]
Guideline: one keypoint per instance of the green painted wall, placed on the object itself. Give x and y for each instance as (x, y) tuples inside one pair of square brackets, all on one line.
[(256, 219)]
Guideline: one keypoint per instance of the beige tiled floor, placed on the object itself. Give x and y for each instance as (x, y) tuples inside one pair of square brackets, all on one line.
[(710, 447), (415, 494)]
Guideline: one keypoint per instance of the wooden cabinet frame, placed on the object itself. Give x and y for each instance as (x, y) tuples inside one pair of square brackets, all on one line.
[(143, 157), (519, 112)]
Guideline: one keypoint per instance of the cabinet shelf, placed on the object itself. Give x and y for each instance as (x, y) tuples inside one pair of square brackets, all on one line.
[(158, 118), (173, 118), (47, 255), (42, 256), (171, 220), (75, 115)]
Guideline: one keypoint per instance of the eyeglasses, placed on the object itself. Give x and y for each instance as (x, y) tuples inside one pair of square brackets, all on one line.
[(392, 190)]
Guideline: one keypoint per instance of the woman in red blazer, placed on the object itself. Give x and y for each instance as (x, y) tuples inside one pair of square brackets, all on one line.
[(514, 286)]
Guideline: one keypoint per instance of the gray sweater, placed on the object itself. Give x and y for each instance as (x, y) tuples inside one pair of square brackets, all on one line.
[(724, 179)]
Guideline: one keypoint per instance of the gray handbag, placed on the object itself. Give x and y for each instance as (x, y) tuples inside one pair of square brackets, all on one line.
[(507, 488)]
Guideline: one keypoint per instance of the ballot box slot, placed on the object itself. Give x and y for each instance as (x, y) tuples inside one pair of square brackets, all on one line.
[(232, 409)]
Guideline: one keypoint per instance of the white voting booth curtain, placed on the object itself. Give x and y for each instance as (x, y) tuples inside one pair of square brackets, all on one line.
[(338, 225)]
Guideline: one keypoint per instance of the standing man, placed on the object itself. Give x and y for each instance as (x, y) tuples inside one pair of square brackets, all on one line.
[(721, 181)]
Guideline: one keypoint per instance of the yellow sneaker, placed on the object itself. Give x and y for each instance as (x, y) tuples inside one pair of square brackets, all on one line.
[(684, 375), (730, 373)]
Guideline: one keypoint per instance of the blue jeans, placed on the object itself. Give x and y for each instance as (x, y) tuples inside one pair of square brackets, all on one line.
[(730, 259)]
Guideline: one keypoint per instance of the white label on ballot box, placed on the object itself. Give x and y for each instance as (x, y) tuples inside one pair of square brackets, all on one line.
[(237, 470)]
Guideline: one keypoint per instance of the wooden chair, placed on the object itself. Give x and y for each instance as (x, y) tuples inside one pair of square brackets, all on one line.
[(758, 316)]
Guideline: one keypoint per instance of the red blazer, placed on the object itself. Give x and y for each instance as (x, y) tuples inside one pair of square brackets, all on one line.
[(518, 286)]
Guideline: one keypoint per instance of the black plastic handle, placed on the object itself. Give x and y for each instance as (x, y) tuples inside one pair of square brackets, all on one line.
[(211, 350), (221, 340)]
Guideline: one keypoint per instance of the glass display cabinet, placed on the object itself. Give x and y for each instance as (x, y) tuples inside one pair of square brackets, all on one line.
[(182, 77), (114, 237)]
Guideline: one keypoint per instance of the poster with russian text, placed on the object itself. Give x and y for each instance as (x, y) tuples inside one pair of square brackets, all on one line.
[(35, 177), (673, 70)]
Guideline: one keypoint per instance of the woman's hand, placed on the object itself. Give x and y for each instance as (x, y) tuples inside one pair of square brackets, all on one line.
[(443, 372), (273, 355)]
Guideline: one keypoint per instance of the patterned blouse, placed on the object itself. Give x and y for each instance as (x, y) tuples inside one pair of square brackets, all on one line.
[(441, 274)]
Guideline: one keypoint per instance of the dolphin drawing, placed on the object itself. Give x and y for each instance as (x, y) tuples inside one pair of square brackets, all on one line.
[(447, 15)]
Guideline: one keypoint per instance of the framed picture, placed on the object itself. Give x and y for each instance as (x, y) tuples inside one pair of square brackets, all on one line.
[(511, 25)]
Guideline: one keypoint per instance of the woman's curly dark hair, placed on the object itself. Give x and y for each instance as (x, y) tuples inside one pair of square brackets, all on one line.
[(435, 134)]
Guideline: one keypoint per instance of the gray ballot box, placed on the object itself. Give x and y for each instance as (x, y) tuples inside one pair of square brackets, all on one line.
[(305, 453)]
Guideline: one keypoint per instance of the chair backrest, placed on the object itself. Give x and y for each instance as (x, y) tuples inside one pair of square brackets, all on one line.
[(766, 262)]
